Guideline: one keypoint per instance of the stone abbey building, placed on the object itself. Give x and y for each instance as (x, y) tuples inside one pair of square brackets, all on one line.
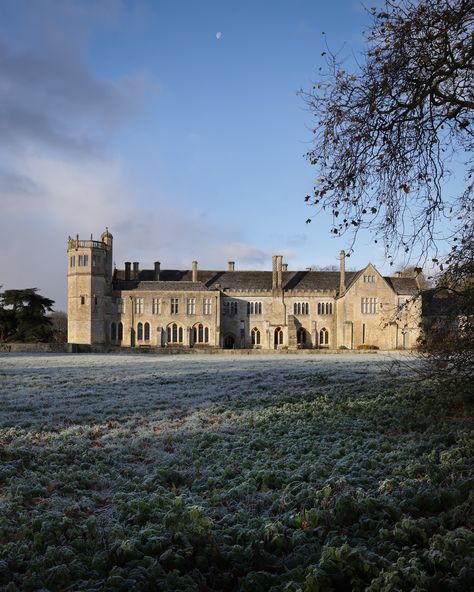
[(277, 309)]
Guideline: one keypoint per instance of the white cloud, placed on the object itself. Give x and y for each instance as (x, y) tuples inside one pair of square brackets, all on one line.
[(59, 173)]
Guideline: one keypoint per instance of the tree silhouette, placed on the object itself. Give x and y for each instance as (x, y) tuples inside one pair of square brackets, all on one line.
[(23, 316), (386, 135)]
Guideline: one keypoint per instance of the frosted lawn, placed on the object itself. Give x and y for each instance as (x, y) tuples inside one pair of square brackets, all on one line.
[(48, 391), (271, 473)]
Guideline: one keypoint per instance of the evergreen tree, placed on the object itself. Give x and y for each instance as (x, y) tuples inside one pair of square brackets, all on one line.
[(23, 316)]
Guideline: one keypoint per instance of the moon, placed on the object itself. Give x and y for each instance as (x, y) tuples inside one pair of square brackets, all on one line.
[(218, 35)]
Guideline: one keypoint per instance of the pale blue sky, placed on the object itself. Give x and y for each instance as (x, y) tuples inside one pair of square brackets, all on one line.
[(133, 115)]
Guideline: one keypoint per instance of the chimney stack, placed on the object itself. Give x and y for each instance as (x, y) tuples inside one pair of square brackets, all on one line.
[(127, 270), (231, 266), (279, 271), (342, 272), (274, 272), (284, 267), (157, 271), (135, 270), (195, 271)]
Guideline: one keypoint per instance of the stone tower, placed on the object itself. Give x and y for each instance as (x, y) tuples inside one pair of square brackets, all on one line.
[(89, 287)]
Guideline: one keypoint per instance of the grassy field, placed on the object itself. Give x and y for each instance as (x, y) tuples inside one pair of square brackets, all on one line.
[(291, 473)]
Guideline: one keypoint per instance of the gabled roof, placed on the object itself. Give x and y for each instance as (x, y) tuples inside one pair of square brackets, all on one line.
[(351, 280), (400, 285)]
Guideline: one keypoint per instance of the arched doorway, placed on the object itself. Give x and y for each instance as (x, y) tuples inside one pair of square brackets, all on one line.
[(301, 337), (229, 342)]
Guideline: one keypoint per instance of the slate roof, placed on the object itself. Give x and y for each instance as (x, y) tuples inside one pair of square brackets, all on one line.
[(174, 279), (162, 286), (403, 285)]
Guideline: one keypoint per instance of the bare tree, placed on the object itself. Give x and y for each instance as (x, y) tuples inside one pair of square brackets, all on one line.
[(59, 322), (449, 319), (387, 138), (386, 135)]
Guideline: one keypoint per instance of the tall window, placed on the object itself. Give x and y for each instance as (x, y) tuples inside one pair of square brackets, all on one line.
[(368, 305), (175, 334), (324, 337), (72, 261), (406, 339), (230, 308), (120, 305), (255, 337), (95, 260), (301, 308), (254, 308), (191, 306), (200, 334), (301, 336), (156, 306), (174, 305), (363, 332), (83, 260), (140, 332), (147, 332), (113, 331), (207, 308), (83, 300), (139, 305), (120, 331), (324, 308)]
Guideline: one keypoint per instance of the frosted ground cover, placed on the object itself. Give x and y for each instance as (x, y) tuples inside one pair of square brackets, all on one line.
[(331, 472)]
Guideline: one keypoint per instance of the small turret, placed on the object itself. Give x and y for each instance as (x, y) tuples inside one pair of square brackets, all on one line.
[(107, 238)]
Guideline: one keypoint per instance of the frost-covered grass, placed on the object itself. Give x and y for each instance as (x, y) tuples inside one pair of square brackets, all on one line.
[(276, 473)]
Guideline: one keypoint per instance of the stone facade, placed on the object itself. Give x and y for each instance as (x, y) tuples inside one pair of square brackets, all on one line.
[(277, 309)]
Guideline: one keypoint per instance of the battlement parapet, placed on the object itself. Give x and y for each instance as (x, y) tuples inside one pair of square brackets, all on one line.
[(74, 243)]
